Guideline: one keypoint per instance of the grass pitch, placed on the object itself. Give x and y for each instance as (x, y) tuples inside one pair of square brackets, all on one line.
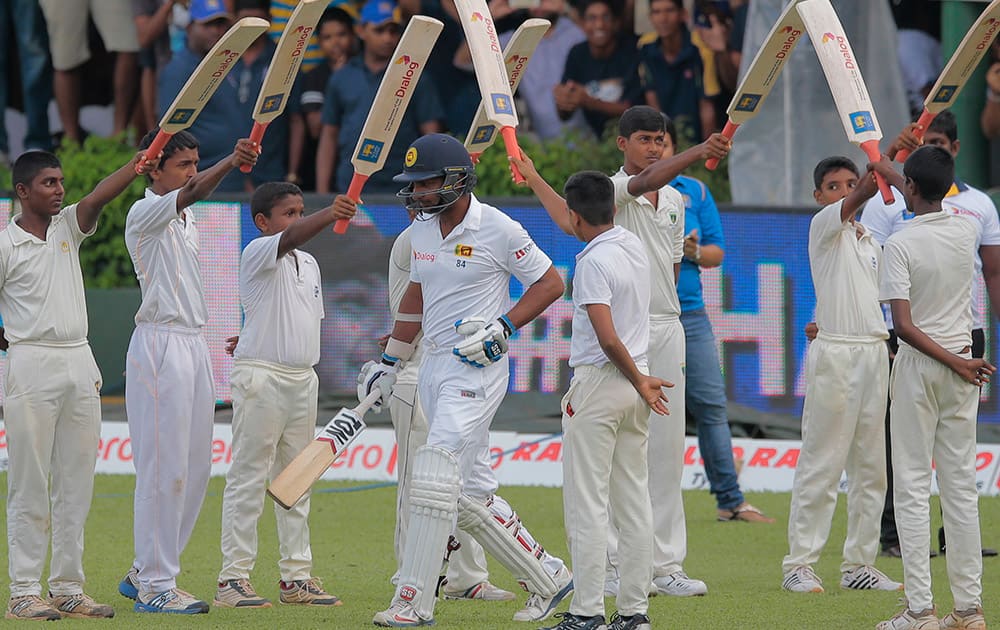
[(352, 552)]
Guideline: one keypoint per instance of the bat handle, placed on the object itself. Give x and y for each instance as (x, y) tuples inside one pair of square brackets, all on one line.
[(367, 403), (256, 135), (513, 150), (729, 130), (870, 147), (923, 123), (354, 192), (154, 149), (474, 156)]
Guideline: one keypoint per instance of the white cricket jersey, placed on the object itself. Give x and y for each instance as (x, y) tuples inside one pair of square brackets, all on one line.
[(282, 303), (962, 200), (661, 230), (613, 270), (164, 250), (41, 283), (467, 273), (845, 276), (399, 280), (931, 263)]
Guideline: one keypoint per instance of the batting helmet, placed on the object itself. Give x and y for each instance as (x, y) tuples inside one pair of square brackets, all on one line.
[(431, 156)]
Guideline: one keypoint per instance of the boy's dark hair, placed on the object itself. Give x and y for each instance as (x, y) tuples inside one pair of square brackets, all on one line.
[(945, 124), (252, 5), (670, 129), (640, 118), (336, 14), (615, 6), (830, 164), (30, 164), (591, 194), (677, 3), (268, 194), (932, 170), (178, 142)]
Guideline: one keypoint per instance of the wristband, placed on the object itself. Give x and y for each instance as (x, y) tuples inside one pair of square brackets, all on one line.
[(508, 326), (396, 350), (697, 253)]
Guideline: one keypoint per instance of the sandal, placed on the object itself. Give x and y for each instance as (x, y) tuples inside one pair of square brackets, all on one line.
[(744, 512)]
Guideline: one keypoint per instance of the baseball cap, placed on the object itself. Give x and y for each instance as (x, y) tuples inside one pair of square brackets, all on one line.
[(380, 11), (203, 11)]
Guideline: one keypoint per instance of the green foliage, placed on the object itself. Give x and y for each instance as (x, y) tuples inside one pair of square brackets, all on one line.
[(5, 185)]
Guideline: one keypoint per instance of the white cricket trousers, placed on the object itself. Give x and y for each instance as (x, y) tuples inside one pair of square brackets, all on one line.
[(933, 426), (666, 452), (843, 427), (467, 565), (605, 431), (52, 416), (274, 418), (170, 402)]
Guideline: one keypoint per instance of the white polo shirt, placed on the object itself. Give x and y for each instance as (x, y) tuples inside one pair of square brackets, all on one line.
[(282, 304), (41, 283), (468, 273), (845, 276), (612, 269), (399, 280), (661, 230), (931, 264), (164, 250)]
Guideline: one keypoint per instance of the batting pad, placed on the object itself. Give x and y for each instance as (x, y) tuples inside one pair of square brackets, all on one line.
[(498, 529), (433, 502)]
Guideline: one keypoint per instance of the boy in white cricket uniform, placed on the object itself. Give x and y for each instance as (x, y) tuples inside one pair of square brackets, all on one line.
[(934, 386), (274, 393), (847, 373), (464, 254), (169, 390), (52, 405)]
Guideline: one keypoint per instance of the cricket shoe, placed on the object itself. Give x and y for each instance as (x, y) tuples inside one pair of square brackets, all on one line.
[(679, 584), (910, 620), (173, 601), (538, 608), (129, 586), (635, 622), (31, 607), (971, 619), (400, 615), (239, 594), (802, 580), (307, 592), (611, 586), (569, 621), (868, 578), (80, 606), (484, 591)]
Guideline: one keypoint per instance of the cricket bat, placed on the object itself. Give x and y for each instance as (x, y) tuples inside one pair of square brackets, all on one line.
[(516, 56), (284, 67), (960, 67), (763, 72), (207, 77), (844, 78), (491, 72), (391, 100), (309, 465)]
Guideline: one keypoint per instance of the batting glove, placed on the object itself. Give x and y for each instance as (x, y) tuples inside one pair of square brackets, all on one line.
[(379, 375), (484, 343)]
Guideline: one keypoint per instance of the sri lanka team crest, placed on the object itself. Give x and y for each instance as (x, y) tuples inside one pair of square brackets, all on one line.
[(411, 157), (748, 103), (862, 121), (181, 116), (465, 251), (483, 133), (945, 94), (272, 103), (501, 104), (370, 150)]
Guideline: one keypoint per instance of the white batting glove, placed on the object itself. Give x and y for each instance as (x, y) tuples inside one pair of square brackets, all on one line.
[(484, 342), (377, 375)]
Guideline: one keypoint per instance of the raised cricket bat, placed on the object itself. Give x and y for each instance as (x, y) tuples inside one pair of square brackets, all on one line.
[(763, 72), (284, 67), (201, 85), (960, 67), (844, 78), (491, 72), (517, 54), (391, 100), (309, 465)]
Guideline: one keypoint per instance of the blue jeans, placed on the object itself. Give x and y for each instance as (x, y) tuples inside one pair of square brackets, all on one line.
[(24, 19), (706, 403)]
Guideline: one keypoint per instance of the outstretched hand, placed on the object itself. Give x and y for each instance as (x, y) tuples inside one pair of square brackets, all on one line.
[(651, 390), (975, 371)]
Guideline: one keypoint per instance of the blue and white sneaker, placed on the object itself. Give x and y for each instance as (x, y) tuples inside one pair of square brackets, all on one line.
[(538, 608), (129, 586), (173, 601)]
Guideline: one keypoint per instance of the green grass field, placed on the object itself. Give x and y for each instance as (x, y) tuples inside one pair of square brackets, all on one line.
[(352, 552)]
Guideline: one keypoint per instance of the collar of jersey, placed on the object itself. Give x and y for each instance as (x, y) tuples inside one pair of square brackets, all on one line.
[(19, 236), (473, 219), (610, 235)]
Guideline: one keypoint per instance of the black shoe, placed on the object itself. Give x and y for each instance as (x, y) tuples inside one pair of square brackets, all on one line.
[(576, 622), (892, 551), (635, 622)]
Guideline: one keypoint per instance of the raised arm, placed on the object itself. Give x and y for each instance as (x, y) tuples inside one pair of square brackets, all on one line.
[(301, 231), (202, 185), (857, 198), (88, 210), (552, 201), (662, 172)]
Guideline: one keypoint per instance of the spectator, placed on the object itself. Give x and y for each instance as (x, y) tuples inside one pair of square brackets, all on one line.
[(152, 22), (36, 72), (990, 120), (67, 24), (278, 14), (713, 31)]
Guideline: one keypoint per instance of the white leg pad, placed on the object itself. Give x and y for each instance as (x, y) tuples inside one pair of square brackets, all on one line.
[(497, 528), (433, 504)]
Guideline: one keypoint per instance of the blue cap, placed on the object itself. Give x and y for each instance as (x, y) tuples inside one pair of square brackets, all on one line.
[(379, 12), (207, 10)]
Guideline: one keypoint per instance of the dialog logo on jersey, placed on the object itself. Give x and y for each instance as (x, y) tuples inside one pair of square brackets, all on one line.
[(862, 121), (465, 251), (370, 150), (426, 256)]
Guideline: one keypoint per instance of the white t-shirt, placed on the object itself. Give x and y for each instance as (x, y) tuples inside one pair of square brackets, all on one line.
[(845, 276), (612, 269), (931, 263), (399, 280), (282, 303), (467, 274), (661, 230), (41, 283), (164, 250)]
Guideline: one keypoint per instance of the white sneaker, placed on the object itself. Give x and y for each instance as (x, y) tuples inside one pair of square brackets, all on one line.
[(400, 615), (910, 620), (538, 608), (484, 591), (679, 584), (968, 620), (867, 577), (173, 601), (802, 580)]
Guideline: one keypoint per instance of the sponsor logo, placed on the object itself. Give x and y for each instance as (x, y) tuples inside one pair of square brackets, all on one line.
[(407, 80), (272, 103), (483, 134), (466, 393), (991, 25), (411, 157), (407, 593), (945, 94), (423, 256), (521, 253), (181, 116), (300, 44), (748, 102), (465, 251), (501, 104), (862, 121), (569, 410), (64, 246), (370, 150), (515, 66), (341, 430), (229, 56), (789, 43), (490, 30), (844, 47)]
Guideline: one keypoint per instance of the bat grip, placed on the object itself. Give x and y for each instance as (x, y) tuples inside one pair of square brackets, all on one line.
[(923, 123), (154, 149), (256, 135), (729, 130), (474, 156), (513, 150), (870, 147), (354, 192), (367, 403)]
